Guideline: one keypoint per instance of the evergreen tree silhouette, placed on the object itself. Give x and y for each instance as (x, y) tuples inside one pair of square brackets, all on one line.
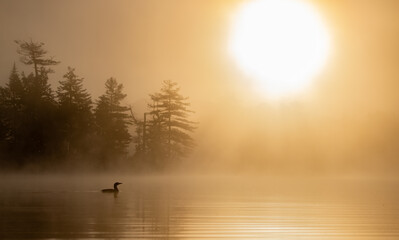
[(112, 121), (75, 109), (169, 130)]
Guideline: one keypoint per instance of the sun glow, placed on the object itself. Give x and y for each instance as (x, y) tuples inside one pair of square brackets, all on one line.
[(282, 44)]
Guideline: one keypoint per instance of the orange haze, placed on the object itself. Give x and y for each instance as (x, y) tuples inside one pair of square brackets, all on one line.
[(348, 122)]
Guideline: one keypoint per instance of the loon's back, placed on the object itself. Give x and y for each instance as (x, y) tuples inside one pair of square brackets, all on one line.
[(109, 190)]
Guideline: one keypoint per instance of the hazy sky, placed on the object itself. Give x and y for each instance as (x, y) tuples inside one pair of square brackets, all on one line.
[(140, 43), (351, 111)]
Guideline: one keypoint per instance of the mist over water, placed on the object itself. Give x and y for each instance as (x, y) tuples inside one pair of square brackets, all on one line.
[(182, 207), (157, 103)]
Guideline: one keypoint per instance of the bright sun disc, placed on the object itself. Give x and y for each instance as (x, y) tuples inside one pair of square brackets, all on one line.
[(283, 44)]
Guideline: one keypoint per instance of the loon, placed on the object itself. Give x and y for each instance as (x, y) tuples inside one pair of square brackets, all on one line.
[(109, 190)]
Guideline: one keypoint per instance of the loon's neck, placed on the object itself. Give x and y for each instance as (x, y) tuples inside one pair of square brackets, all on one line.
[(116, 188)]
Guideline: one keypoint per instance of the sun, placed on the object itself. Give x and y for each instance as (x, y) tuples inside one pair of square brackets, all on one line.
[(281, 44)]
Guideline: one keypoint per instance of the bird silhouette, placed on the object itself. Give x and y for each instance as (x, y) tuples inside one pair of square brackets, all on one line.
[(110, 190)]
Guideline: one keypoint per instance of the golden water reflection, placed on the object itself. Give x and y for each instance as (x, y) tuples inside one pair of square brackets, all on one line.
[(207, 209)]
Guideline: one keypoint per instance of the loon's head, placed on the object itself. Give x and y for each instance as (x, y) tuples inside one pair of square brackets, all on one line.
[(116, 184)]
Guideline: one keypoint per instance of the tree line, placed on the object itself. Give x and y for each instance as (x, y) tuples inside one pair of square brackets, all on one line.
[(38, 124)]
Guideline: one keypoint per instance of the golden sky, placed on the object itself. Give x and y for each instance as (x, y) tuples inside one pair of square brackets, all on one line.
[(348, 119)]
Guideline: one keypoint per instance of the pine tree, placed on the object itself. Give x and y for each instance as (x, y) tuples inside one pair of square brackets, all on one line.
[(28, 115), (12, 115), (112, 120), (39, 129), (32, 53), (39, 119), (75, 109), (170, 128), (13, 107), (15, 87)]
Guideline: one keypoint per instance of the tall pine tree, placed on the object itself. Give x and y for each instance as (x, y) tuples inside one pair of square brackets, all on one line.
[(33, 53), (10, 111), (38, 129), (13, 109), (112, 121), (170, 128), (75, 110)]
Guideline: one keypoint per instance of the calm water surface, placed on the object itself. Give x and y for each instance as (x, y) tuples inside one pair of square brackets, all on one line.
[(72, 207)]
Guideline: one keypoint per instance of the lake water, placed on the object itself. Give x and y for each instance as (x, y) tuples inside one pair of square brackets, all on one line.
[(72, 207)]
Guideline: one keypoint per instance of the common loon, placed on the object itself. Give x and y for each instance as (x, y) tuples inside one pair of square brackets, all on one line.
[(109, 190)]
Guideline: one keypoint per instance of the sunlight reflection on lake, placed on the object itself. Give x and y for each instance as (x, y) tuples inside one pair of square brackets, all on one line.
[(198, 207)]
